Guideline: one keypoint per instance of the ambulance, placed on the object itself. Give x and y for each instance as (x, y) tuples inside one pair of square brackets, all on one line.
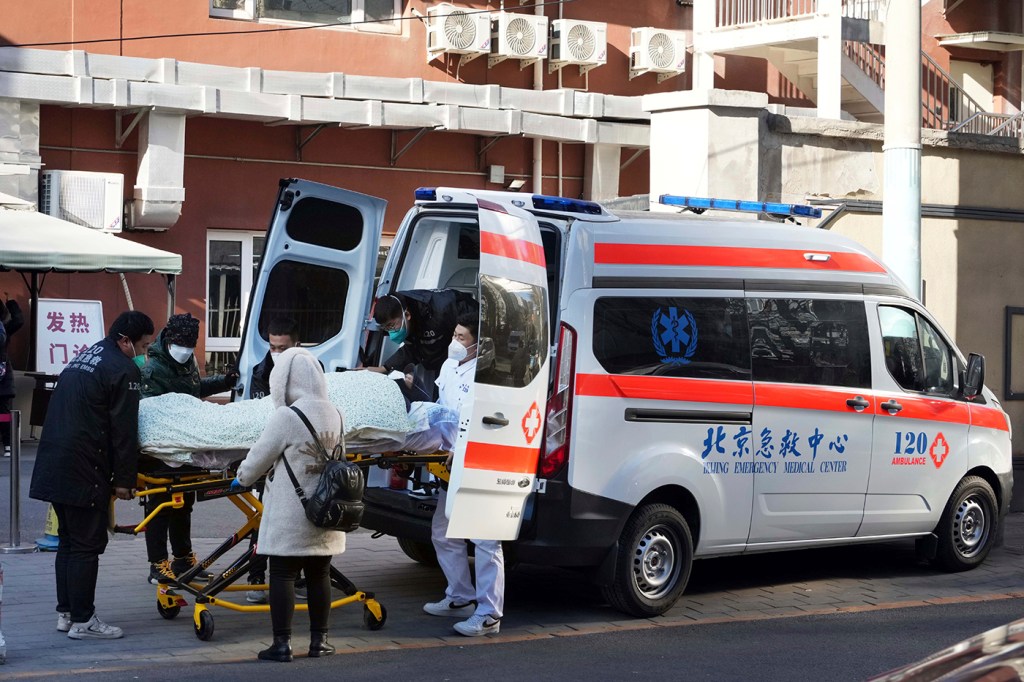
[(658, 387)]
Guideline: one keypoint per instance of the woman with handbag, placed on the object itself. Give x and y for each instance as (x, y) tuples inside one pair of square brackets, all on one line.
[(287, 536)]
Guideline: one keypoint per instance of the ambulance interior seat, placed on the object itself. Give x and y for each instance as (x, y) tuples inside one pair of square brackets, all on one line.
[(904, 362), (464, 279)]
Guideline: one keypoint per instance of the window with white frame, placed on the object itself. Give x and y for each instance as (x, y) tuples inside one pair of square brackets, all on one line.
[(364, 15), (232, 258)]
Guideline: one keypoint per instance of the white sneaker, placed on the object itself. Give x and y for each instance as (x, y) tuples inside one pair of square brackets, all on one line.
[(256, 596), (447, 607), (478, 625), (94, 629), (63, 621), (7, 451)]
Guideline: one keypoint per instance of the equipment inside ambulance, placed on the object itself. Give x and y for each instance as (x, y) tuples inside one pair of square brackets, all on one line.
[(655, 388)]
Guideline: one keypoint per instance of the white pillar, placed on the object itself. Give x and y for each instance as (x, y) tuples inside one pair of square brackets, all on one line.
[(830, 64), (901, 204), (601, 172), (703, 62)]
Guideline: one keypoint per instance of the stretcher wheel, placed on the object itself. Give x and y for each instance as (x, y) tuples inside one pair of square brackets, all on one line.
[(204, 630), (168, 612), (371, 622)]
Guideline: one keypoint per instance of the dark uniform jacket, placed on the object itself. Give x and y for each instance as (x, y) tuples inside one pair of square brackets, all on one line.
[(163, 374), (90, 437), (6, 330), (433, 312), (259, 387)]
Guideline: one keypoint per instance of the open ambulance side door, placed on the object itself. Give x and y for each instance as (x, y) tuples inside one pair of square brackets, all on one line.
[(495, 460), (318, 264)]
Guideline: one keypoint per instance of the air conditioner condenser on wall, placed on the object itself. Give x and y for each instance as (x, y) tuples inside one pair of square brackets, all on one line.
[(461, 31), (518, 36), (656, 50), (580, 43), (85, 198)]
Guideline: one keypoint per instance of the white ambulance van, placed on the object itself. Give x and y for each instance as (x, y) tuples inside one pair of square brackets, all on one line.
[(655, 388)]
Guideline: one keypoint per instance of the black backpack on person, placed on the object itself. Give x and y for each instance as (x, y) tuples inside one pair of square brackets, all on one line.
[(337, 501)]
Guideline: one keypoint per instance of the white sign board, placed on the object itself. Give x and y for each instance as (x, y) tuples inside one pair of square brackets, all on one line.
[(64, 328)]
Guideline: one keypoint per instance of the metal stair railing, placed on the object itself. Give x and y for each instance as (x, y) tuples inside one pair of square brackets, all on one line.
[(988, 123), (869, 58), (945, 105), (739, 12)]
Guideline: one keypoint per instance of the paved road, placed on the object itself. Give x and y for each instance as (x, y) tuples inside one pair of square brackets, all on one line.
[(544, 606)]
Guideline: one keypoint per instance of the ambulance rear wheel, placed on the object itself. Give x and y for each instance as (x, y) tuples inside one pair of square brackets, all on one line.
[(204, 630), (967, 529), (168, 612), (420, 552), (654, 561)]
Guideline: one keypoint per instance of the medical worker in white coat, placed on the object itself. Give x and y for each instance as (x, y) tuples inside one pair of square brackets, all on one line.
[(483, 604)]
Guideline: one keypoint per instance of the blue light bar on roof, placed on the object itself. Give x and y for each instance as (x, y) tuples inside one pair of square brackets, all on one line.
[(546, 203), (701, 203), (426, 194)]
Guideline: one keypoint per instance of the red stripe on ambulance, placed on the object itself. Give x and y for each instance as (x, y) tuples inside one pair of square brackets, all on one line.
[(508, 458), (516, 249), (988, 418), (731, 256), (665, 388)]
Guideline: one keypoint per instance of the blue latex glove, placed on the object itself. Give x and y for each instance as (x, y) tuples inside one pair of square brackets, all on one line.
[(236, 486)]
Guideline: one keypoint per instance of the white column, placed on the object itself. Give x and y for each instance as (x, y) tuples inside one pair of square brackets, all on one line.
[(830, 65), (601, 172), (703, 62), (901, 204)]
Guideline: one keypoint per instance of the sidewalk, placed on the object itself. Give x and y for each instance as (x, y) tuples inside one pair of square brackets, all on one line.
[(540, 603)]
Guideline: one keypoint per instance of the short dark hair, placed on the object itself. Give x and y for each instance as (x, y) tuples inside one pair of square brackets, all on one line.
[(470, 320), (387, 309), (283, 326), (133, 324)]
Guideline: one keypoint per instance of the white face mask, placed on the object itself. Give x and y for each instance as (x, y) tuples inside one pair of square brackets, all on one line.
[(458, 352), (274, 356), (181, 354)]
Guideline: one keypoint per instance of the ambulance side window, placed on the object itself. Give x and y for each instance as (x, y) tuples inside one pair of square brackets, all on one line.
[(810, 341), (915, 354), (667, 336)]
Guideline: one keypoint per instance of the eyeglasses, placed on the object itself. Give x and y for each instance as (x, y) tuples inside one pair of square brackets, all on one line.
[(394, 325)]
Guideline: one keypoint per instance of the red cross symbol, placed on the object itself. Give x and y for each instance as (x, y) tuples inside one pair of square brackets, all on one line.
[(531, 423), (939, 450)]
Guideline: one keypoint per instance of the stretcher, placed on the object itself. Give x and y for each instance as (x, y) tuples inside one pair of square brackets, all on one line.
[(210, 484)]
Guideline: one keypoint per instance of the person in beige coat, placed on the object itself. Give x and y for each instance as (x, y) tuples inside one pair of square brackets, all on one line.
[(286, 536)]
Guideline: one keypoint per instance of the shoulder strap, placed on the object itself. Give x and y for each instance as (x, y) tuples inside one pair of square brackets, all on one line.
[(312, 431), (291, 474)]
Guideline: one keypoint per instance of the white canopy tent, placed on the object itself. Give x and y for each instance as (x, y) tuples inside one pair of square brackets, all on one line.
[(34, 243)]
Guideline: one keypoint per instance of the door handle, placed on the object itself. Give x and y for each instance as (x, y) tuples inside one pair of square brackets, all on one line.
[(495, 420), (891, 406), (859, 403)]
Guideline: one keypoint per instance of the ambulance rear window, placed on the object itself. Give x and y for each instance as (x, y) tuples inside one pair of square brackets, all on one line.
[(672, 336)]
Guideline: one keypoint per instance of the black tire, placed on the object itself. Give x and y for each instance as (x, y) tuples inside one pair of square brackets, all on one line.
[(371, 621), (967, 529), (420, 552), (204, 630), (653, 563), (168, 612)]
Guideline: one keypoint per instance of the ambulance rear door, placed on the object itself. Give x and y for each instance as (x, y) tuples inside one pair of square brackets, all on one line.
[(495, 460), (318, 265)]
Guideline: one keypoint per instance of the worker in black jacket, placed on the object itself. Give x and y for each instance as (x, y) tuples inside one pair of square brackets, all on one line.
[(282, 334), (88, 451), (11, 320)]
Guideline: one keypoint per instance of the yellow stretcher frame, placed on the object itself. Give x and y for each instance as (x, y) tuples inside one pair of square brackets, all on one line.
[(215, 484)]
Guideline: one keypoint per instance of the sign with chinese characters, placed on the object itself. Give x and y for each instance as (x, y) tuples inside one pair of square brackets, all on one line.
[(65, 327)]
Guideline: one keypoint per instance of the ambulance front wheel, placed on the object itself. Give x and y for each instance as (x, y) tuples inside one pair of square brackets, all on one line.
[(967, 529), (653, 563)]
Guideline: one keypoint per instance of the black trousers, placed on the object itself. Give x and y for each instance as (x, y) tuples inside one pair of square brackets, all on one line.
[(5, 427), (175, 524), (283, 572), (82, 537)]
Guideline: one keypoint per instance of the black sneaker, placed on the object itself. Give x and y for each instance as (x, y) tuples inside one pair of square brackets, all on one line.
[(182, 564), (160, 573)]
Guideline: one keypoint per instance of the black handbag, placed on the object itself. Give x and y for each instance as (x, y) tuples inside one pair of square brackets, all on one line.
[(337, 501)]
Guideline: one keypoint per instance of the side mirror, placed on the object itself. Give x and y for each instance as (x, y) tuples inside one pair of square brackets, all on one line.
[(974, 377)]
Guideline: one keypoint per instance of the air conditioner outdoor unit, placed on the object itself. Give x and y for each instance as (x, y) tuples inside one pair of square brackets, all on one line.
[(655, 50), (518, 36), (453, 30), (94, 200), (582, 43)]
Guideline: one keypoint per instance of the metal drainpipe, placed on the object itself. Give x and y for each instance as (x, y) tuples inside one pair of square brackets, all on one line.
[(538, 144), (901, 205)]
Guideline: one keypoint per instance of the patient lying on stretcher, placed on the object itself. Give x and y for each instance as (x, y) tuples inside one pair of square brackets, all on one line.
[(180, 429)]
